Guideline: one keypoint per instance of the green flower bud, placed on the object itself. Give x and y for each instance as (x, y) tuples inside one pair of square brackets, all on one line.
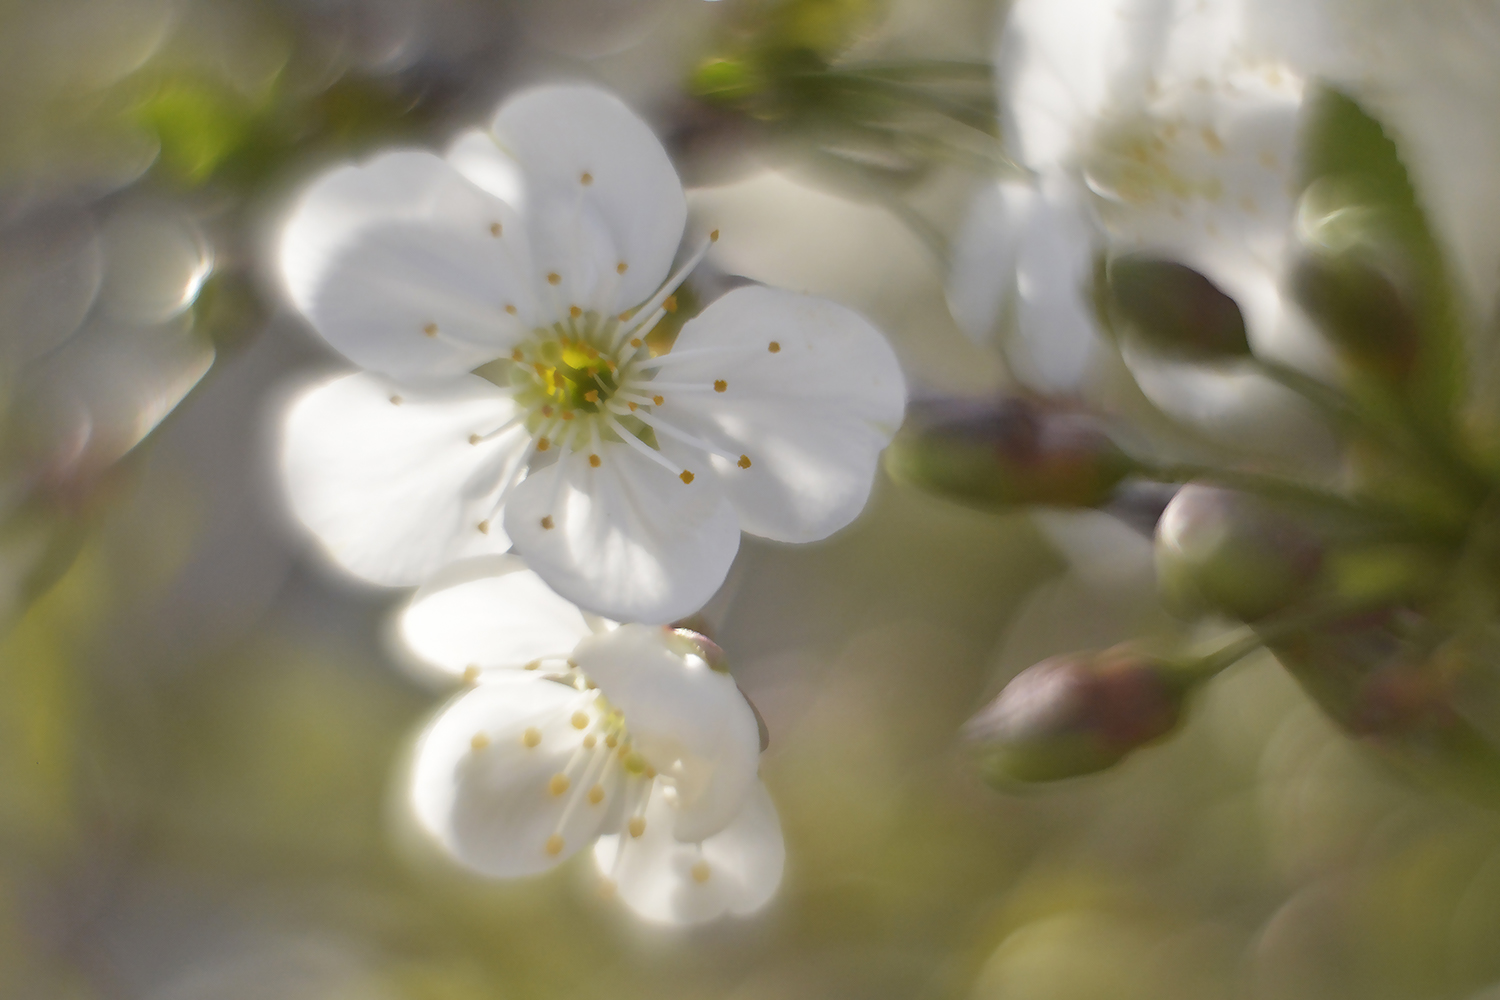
[(1172, 309), (1007, 452), (1075, 714), (1351, 281), (1232, 552)]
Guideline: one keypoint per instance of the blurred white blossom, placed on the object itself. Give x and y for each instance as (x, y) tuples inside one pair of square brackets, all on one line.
[(1151, 127), (539, 254), (631, 738)]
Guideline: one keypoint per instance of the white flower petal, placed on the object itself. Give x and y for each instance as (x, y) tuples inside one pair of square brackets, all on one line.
[(387, 479), (1062, 64), (666, 881), (406, 267), (599, 192), (628, 539), (485, 792), (690, 721), (810, 416), (475, 155), (1057, 338), (490, 612), (984, 257)]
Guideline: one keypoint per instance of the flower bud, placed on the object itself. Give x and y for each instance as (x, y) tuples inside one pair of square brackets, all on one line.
[(1350, 280), (1014, 451), (1232, 552), (1173, 309), (1074, 714)]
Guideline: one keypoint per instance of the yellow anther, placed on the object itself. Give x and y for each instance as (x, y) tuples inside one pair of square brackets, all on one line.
[(622, 267), (395, 400), (624, 316), (700, 871), (555, 844), (592, 395), (547, 523), (484, 527), (580, 720), (554, 278), (632, 406), (596, 795), (590, 741), (511, 310), (574, 311), (634, 763), (744, 462), (567, 414), (586, 179), (594, 461), (636, 342), (686, 476), (532, 737), (658, 400), (670, 305), (558, 784), (534, 665), (637, 825), (611, 741), (542, 444), (475, 439), (479, 741), (517, 355), (649, 773), (775, 346), (546, 412), (720, 385), (430, 329), (496, 229), (713, 237), (471, 673)]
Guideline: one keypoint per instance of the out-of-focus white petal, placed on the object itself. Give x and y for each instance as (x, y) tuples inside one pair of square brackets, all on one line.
[(386, 477), (103, 391), (666, 881), (489, 612), (155, 262), (690, 721), (812, 394), (984, 257), (482, 781), (51, 266), (599, 193), (627, 539), (1056, 338), (1063, 62), (406, 267)]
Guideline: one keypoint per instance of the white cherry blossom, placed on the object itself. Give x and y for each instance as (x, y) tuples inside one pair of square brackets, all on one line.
[(1155, 127), (499, 301), (630, 738)]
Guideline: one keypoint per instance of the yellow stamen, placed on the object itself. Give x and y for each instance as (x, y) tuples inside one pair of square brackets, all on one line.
[(558, 784), (430, 329), (775, 346), (594, 461), (622, 267), (686, 476), (580, 720), (744, 462), (532, 737), (596, 795), (554, 278), (720, 385), (555, 844), (496, 229), (700, 871), (479, 741), (547, 523), (637, 825), (586, 179)]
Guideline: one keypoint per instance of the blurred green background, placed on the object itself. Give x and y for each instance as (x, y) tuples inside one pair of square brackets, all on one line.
[(200, 723)]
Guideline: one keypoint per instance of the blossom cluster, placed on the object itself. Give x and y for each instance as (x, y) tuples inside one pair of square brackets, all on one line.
[(519, 444)]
